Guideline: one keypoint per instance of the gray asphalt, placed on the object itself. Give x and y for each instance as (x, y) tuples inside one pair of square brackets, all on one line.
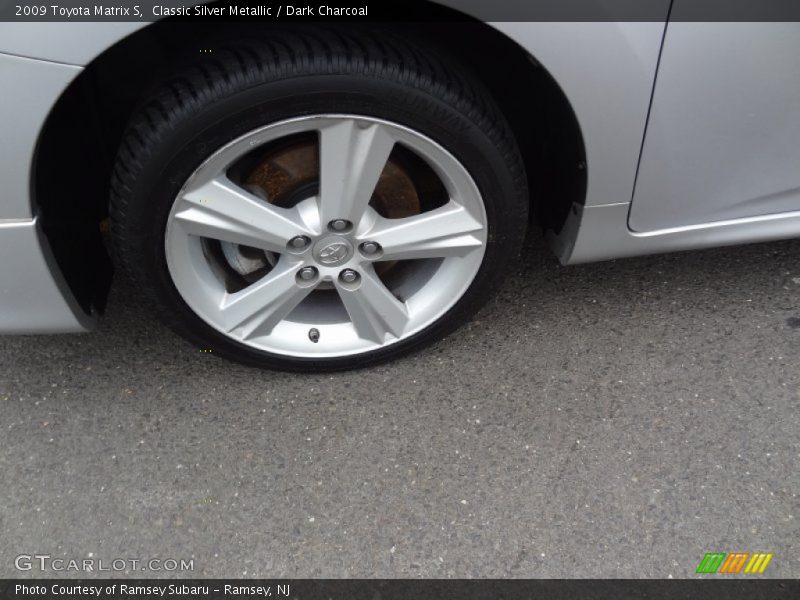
[(610, 420)]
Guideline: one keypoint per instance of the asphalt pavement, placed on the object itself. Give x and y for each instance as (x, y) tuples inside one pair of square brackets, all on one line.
[(619, 419)]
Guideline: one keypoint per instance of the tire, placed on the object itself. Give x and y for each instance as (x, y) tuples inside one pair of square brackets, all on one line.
[(383, 85)]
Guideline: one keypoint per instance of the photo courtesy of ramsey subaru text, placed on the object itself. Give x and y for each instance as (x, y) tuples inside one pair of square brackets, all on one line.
[(331, 195)]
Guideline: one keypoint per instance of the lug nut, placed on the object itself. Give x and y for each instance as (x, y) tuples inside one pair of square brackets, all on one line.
[(307, 273), (339, 225), (370, 247), (299, 242), (348, 276)]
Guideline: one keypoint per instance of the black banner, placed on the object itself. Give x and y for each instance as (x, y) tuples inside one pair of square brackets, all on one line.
[(397, 10), (397, 589)]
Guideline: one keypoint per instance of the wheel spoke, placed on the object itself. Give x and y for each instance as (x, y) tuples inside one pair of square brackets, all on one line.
[(257, 309), (223, 211), (447, 231), (374, 311), (352, 158)]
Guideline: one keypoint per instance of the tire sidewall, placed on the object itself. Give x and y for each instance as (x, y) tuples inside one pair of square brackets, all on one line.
[(201, 128)]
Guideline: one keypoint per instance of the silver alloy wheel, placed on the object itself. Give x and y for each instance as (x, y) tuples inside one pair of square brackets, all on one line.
[(341, 240)]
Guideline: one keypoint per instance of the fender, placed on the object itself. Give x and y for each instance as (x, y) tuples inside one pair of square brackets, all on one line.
[(605, 69)]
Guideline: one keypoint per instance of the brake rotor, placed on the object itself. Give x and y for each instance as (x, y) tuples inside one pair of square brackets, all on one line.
[(284, 172)]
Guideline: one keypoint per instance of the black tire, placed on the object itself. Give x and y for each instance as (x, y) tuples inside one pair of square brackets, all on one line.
[(249, 85)]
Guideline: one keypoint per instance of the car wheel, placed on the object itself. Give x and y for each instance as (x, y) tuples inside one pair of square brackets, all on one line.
[(318, 201)]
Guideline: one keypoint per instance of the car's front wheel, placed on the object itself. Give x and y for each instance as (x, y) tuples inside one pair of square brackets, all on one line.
[(318, 202)]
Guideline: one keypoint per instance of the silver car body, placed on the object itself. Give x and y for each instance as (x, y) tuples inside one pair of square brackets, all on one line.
[(690, 133)]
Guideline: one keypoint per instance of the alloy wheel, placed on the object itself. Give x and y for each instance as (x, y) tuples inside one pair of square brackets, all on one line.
[(326, 236)]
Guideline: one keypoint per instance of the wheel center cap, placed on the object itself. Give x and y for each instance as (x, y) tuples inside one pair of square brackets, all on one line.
[(333, 250)]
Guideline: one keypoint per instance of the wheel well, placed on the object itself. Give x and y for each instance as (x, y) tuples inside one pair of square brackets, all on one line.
[(80, 138)]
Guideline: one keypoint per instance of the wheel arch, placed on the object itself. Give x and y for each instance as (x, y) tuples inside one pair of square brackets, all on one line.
[(70, 181)]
